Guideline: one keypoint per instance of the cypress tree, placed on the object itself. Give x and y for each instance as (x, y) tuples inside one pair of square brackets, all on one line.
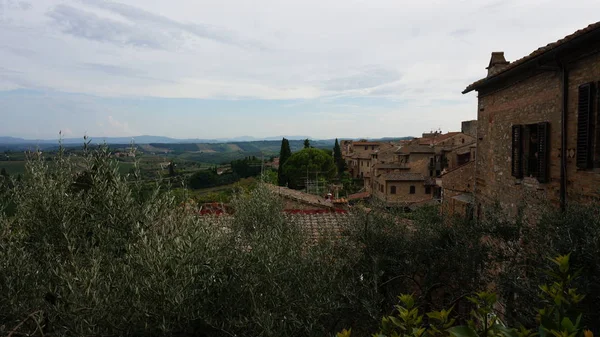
[(338, 159), (306, 143), (284, 154)]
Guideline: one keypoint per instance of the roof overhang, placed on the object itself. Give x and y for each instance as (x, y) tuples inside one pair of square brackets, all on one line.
[(552, 55)]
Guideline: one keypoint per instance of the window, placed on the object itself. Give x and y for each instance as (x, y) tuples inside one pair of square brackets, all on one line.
[(412, 190), (393, 190), (380, 188), (366, 148), (427, 190), (373, 147), (530, 151), (462, 159), (588, 132), (367, 164)]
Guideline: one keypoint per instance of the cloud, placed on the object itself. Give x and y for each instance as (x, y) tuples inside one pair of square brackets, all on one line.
[(87, 25), (119, 128), (362, 79), (15, 5), (143, 29), (461, 32), (119, 71)]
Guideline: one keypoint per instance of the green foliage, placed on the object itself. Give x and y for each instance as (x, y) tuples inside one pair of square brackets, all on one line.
[(210, 178), (523, 252), (247, 167), (553, 320), (284, 154), (338, 159), (100, 261), (308, 161), (306, 143)]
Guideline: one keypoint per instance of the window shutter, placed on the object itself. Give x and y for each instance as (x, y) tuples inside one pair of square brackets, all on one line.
[(584, 127), (517, 151), (543, 131)]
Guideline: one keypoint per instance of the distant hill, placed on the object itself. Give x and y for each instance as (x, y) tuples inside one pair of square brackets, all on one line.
[(145, 139)]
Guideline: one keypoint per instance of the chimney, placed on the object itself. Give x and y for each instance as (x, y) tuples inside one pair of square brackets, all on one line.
[(497, 63)]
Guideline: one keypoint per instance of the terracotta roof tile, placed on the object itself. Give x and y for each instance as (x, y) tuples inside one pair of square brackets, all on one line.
[(538, 52)]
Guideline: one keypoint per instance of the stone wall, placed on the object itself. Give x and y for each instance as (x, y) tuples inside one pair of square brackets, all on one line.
[(532, 100), (457, 182)]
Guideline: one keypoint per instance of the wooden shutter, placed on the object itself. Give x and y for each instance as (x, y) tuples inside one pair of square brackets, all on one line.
[(543, 131), (517, 151), (584, 127)]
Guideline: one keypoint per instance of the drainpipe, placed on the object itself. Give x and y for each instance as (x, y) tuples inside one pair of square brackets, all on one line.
[(563, 137)]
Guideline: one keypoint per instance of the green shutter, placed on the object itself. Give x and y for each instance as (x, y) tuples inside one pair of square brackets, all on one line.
[(543, 131), (584, 127), (517, 151)]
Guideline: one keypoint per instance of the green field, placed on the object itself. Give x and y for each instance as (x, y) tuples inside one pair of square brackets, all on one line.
[(13, 167)]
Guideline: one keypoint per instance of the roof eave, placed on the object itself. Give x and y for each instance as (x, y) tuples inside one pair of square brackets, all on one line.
[(549, 54)]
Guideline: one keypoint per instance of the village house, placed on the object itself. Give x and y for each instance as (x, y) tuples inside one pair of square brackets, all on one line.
[(457, 179), (358, 156), (407, 175), (538, 126)]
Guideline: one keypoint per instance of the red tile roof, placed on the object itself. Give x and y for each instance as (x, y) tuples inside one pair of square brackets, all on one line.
[(537, 53), (357, 196)]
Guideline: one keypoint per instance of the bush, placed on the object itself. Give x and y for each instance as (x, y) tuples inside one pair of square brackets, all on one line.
[(84, 256), (558, 317)]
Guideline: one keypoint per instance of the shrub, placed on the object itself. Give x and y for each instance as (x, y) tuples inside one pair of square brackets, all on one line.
[(85, 255)]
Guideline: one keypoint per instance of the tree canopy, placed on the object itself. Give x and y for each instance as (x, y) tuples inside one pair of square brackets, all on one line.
[(284, 154), (312, 161)]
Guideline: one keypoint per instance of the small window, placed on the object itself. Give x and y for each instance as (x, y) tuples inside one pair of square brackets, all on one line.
[(373, 147), (530, 151), (588, 130), (367, 164), (393, 190), (427, 190), (366, 148), (381, 188), (412, 190)]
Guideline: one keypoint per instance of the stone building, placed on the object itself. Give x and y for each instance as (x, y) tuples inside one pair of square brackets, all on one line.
[(408, 174), (358, 156), (538, 125)]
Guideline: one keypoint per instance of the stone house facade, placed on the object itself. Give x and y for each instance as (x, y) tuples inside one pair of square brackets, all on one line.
[(358, 156), (538, 126)]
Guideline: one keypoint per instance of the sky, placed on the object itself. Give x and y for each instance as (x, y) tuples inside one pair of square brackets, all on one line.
[(228, 68)]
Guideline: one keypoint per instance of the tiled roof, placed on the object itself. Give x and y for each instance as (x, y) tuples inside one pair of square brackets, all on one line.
[(316, 226), (417, 149), (299, 196), (403, 176), (357, 196), (537, 53), (320, 226), (437, 139), (366, 143), (361, 156)]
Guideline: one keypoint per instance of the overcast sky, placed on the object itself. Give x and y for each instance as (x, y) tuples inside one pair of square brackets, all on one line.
[(208, 69)]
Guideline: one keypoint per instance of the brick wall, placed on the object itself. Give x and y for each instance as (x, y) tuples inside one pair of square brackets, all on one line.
[(456, 182), (532, 100)]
